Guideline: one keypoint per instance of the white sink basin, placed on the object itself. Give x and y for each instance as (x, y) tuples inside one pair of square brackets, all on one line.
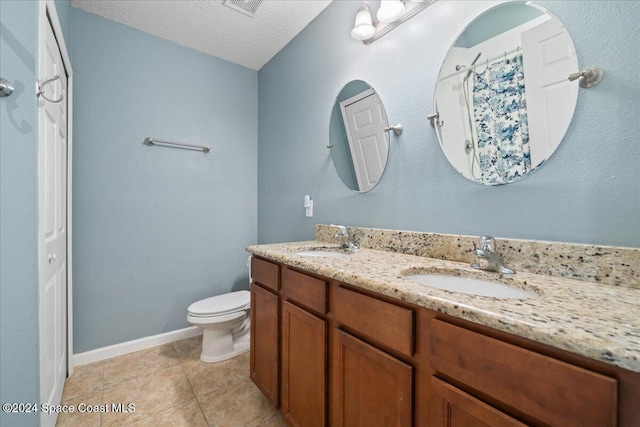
[(470, 286), (321, 253)]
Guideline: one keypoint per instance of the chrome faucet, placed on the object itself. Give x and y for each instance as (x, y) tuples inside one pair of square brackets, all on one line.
[(488, 257), (343, 238)]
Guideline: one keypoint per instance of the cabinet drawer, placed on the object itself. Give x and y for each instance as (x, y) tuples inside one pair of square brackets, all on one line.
[(383, 322), (306, 290), (552, 392), (265, 273)]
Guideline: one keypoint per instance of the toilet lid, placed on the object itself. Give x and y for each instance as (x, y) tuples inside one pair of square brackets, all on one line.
[(221, 304)]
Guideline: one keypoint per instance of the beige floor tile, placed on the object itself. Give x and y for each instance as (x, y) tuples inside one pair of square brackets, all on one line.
[(240, 404), (270, 418), (208, 377), (151, 394), (189, 348), (85, 379), (81, 419), (140, 363), (161, 382), (186, 414)]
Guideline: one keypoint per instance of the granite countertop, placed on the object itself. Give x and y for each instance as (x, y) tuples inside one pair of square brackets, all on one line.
[(594, 320)]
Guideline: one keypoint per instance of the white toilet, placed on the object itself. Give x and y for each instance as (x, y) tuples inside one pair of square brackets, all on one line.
[(226, 321)]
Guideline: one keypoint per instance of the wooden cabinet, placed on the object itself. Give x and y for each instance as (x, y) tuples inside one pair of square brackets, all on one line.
[(370, 387), (451, 407), (289, 342), (326, 353), (265, 316), (304, 353), (264, 368), (304, 349)]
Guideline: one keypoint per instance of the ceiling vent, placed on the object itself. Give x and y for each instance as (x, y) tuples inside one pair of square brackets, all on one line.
[(246, 7)]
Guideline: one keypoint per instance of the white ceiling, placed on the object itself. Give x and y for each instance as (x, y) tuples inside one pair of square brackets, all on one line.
[(211, 27)]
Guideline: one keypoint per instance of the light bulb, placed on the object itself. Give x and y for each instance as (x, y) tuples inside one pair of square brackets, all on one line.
[(390, 10), (363, 28)]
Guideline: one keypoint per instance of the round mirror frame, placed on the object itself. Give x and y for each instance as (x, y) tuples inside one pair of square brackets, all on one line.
[(360, 159), (489, 119)]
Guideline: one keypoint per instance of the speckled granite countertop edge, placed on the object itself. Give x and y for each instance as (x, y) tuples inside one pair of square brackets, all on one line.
[(597, 321)]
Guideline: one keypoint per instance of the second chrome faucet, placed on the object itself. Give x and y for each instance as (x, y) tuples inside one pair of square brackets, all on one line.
[(488, 257), (343, 238)]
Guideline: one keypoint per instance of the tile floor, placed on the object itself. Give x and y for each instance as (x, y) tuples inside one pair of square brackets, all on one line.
[(169, 386)]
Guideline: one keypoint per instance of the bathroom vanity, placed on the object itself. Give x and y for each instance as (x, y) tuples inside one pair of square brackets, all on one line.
[(347, 339)]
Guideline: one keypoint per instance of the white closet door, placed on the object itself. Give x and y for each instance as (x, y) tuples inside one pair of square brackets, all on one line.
[(53, 227)]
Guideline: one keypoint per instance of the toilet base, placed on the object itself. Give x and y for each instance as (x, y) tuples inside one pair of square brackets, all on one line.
[(220, 345)]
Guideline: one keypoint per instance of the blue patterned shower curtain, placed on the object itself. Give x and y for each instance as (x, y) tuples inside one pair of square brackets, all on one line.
[(500, 113)]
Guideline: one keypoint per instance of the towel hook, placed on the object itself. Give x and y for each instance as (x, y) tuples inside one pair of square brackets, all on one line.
[(41, 90)]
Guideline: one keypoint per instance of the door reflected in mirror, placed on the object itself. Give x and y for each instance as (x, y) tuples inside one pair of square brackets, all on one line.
[(359, 143), (503, 95)]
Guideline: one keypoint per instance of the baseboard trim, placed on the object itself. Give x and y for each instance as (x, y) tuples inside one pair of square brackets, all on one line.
[(135, 345)]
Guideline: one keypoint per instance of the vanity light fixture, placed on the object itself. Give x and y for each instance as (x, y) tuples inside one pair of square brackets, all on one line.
[(390, 11), (390, 14), (363, 29)]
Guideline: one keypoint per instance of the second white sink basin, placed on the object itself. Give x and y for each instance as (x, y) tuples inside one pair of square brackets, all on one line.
[(471, 286)]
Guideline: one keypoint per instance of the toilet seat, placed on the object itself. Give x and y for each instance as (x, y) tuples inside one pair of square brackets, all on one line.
[(230, 305)]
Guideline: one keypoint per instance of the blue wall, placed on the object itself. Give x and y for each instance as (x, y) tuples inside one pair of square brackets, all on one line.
[(63, 8), (19, 376), (155, 228), (587, 192), (497, 22)]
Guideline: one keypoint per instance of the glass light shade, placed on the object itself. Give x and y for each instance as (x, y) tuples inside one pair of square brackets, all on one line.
[(363, 29), (390, 10)]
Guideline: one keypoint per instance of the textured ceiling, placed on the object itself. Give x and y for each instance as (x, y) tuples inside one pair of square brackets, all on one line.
[(211, 27)]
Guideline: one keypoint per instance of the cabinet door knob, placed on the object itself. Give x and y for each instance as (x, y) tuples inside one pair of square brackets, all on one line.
[(52, 257)]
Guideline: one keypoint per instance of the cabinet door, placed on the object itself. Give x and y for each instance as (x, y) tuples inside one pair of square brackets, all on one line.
[(451, 407), (303, 367), (264, 342), (370, 387)]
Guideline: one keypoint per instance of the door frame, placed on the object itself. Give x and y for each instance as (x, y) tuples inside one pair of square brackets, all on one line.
[(47, 13)]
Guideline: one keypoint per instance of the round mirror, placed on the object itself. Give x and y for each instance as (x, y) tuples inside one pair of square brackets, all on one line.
[(503, 95), (359, 142)]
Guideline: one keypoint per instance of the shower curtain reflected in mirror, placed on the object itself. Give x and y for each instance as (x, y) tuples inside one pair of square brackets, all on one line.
[(500, 116)]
